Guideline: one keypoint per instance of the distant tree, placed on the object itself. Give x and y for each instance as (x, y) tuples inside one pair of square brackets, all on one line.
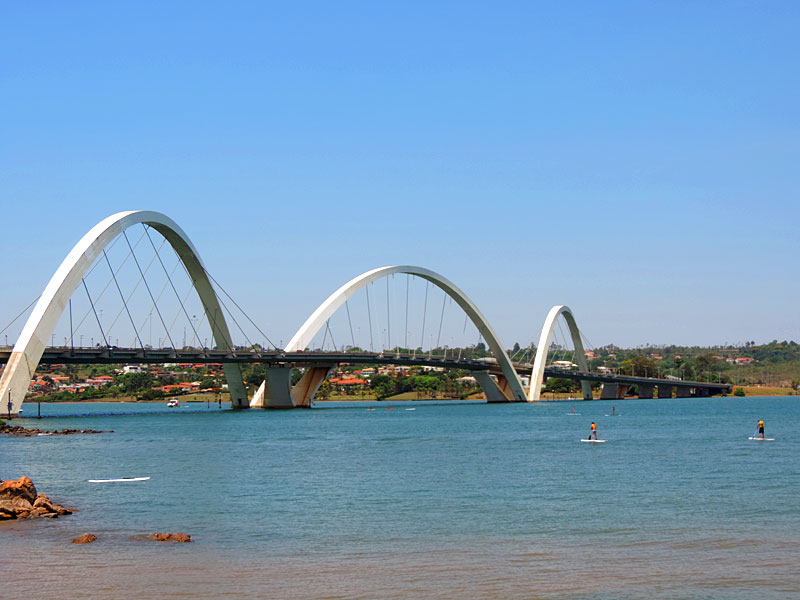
[(705, 362), (133, 382), (296, 375), (738, 391), (210, 382), (150, 394), (644, 366), (516, 347), (324, 391), (561, 385), (383, 390)]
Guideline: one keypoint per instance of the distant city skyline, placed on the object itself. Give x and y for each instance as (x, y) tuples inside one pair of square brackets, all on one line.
[(637, 163)]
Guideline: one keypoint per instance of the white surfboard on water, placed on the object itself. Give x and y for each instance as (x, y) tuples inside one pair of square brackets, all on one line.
[(762, 439), (595, 441), (118, 479)]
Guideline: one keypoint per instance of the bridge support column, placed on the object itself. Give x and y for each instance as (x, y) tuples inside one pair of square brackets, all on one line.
[(233, 375), (664, 391), (494, 392), (683, 391), (275, 391), (586, 389), (646, 390), (614, 391), (610, 391), (702, 392), (305, 389)]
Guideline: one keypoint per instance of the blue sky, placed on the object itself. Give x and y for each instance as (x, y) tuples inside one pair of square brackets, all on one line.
[(634, 160)]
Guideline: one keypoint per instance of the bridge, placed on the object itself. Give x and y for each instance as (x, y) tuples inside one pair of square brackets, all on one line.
[(499, 377)]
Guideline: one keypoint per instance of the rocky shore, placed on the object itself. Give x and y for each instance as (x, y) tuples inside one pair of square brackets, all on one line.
[(20, 500), (19, 431)]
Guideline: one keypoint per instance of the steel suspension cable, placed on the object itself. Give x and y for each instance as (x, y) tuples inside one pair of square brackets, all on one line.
[(135, 287), (369, 317), (108, 283), (99, 324), (324, 336), (441, 318), (350, 323), (236, 304), (405, 339), (377, 315), (20, 314), (163, 287), (191, 324), (150, 293), (122, 297), (328, 327), (179, 262), (563, 337), (388, 317)]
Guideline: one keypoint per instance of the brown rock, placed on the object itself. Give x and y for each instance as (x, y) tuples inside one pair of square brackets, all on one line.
[(86, 538), (21, 488), (19, 500), (42, 501), (19, 503), (170, 537)]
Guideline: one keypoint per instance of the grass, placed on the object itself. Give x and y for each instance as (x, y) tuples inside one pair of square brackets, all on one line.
[(751, 390)]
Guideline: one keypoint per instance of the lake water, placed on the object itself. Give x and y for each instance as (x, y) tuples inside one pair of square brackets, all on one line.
[(444, 501)]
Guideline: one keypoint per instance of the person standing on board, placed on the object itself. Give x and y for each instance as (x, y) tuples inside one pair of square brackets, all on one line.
[(761, 428), (593, 435)]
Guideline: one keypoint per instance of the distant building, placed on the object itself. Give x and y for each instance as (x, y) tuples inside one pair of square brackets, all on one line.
[(563, 364)]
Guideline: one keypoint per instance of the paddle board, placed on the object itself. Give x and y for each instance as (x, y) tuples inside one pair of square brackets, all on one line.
[(118, 479), (595, 441), (762, 439)]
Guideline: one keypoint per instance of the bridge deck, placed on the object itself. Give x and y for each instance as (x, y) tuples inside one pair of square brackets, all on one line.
[(67, 355)]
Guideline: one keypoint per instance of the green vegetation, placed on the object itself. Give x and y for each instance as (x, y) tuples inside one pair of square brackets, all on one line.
[(431, 385), (750, 364), (738, 391), (752, 368)]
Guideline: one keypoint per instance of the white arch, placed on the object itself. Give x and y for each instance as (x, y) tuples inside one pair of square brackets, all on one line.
[(32, 341), (537, 375), (317, 320)]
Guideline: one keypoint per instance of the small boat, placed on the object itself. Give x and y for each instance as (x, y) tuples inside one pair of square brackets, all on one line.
[(174, 402)]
